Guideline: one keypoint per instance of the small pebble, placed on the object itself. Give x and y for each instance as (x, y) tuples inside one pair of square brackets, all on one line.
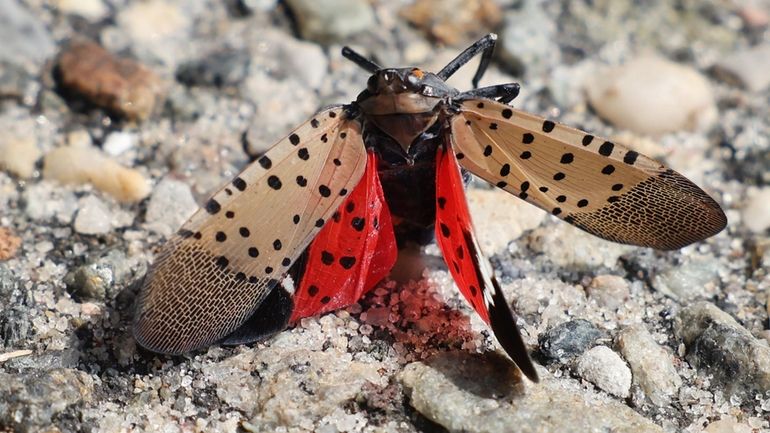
[(118, 142), (750, 68), (332, 20), (93, 217), (251, 6), (16, 82), (92, 10), (223, 68), (453, 21), (46, 201), (150, 22), (18, 155), (89, 282), (569, 339), (754, 16), (756, 212), (25, 39), (653, 369), (728, 425), (72, 165), (651, 95), (609, 291), (117, 84), (170, 205), (605, 369)]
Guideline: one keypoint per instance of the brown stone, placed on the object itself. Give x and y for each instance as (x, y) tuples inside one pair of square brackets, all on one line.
[(120, 85), (9, 243), (455, 21)]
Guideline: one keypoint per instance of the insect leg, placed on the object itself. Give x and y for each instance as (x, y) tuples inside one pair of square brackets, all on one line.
[(484, 46), (360, 60), (504, 93)]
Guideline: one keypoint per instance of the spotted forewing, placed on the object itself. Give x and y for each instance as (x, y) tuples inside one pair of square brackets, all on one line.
[(602, 187), (224, 261)]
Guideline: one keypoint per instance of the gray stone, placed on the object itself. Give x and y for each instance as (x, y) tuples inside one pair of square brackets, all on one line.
[(473, 393), (569, 339), (30, 402), (718, 346), (26, 41), (749, 67), (331, 20), (219, 69), (14, 315), (689, 279), (652, 366), (527, 40), (171, 204), (15, 325), (605, 369), (15, 82)]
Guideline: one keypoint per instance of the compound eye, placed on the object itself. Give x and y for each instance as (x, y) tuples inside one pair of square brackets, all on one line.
[(371, 84)]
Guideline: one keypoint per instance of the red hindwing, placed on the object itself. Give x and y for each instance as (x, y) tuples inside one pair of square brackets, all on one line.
[(454, 232), (354, 250)]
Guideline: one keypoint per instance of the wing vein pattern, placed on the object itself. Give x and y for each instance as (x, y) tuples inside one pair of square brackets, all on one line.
[(224, 261), (599, 186)]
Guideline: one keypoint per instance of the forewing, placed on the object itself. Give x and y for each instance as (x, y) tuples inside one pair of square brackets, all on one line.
[(470, 270), (224, 261), (354, 251), (601, 187)]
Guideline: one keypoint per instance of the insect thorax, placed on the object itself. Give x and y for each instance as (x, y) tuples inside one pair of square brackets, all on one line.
[(404, 103)]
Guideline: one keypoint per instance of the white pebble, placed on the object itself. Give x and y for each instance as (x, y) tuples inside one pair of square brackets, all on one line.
[(118, 142), (93, 218), (18, 155), (651, 95), (605, 369), (92, 10), (756, 212)]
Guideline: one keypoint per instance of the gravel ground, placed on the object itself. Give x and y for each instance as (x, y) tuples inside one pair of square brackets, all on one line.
[(119, 116)]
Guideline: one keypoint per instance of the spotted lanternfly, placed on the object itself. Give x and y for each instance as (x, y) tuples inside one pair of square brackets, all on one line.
[(314, 223)]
